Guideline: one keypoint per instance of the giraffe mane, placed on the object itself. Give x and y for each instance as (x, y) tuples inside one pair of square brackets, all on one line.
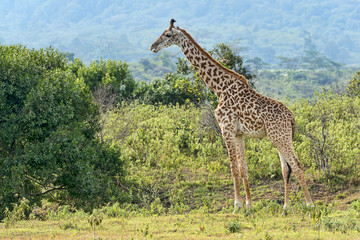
[(235, 74)]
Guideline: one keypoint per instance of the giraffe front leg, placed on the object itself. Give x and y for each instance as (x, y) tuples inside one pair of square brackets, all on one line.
[(229, 139), (228, 133), (236, 178), (243, 169)]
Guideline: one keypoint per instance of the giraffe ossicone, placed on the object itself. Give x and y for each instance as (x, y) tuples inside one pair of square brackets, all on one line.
[(241, 112)]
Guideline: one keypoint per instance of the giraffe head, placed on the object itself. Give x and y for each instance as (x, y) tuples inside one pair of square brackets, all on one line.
[(170, 36)]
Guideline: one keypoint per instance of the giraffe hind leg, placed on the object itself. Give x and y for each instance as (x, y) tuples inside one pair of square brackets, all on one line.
[(287, 154), (286, 172)]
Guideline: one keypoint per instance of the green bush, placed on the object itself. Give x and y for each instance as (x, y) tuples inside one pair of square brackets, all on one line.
[(168, 143), (328, 139), (234, 226), (19, 212), (353, 89), (48, 134), (100, 74)]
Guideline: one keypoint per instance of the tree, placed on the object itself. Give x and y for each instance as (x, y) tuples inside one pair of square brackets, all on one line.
[(289, 63), (48, 133), (69, 56), (103, 73), (353, 87), (232, 60), (314, 59), (172, 89), (147, 65), (257, 63)]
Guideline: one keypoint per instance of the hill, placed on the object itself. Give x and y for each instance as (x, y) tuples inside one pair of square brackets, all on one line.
[(125, 29)]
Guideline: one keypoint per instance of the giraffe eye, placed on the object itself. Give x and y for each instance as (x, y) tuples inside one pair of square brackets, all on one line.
[(168, 35)]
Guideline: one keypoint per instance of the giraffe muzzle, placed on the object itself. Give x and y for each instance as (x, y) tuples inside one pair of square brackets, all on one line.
[(153, 48)]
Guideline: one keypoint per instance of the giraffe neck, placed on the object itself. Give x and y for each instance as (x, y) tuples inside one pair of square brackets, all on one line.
[(215, 76)]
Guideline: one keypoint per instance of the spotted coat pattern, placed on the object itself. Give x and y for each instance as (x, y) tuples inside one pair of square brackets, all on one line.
[(241, 112)]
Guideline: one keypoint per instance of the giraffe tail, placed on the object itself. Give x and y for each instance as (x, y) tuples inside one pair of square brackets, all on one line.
[(293, 126)]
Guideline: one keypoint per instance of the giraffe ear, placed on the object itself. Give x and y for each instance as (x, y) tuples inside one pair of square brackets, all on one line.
[(171, 24)]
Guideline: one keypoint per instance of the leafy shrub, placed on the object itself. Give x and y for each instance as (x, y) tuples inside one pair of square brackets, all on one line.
[(43, 212), (356, 205), (329, 137), (95, 220), (234, 226), (157, 207), (19, 212), (353, 89), (343, 225), (106, 73), (170, 144)]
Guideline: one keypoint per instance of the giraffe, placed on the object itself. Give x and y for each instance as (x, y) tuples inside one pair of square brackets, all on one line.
[(241, 112)]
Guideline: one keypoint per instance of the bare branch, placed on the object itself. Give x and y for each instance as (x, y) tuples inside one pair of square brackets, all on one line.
[(50, 190)]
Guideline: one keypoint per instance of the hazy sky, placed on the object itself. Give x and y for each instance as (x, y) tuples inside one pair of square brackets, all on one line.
[(93, 29)]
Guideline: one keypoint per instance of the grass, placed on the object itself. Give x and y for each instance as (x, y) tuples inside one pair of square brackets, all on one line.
[(262, 223), (336, 216)]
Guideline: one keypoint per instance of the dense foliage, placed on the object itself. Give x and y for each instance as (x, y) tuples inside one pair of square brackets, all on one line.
[(48, 128), (353, 88), (111, 75), (172, 89), (173, 145), (181, 150)]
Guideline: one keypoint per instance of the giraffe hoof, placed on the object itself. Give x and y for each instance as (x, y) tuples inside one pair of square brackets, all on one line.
[(248, 206), (237, 207), (284, 213), (236, 211), (286, 210), (310, 205)]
